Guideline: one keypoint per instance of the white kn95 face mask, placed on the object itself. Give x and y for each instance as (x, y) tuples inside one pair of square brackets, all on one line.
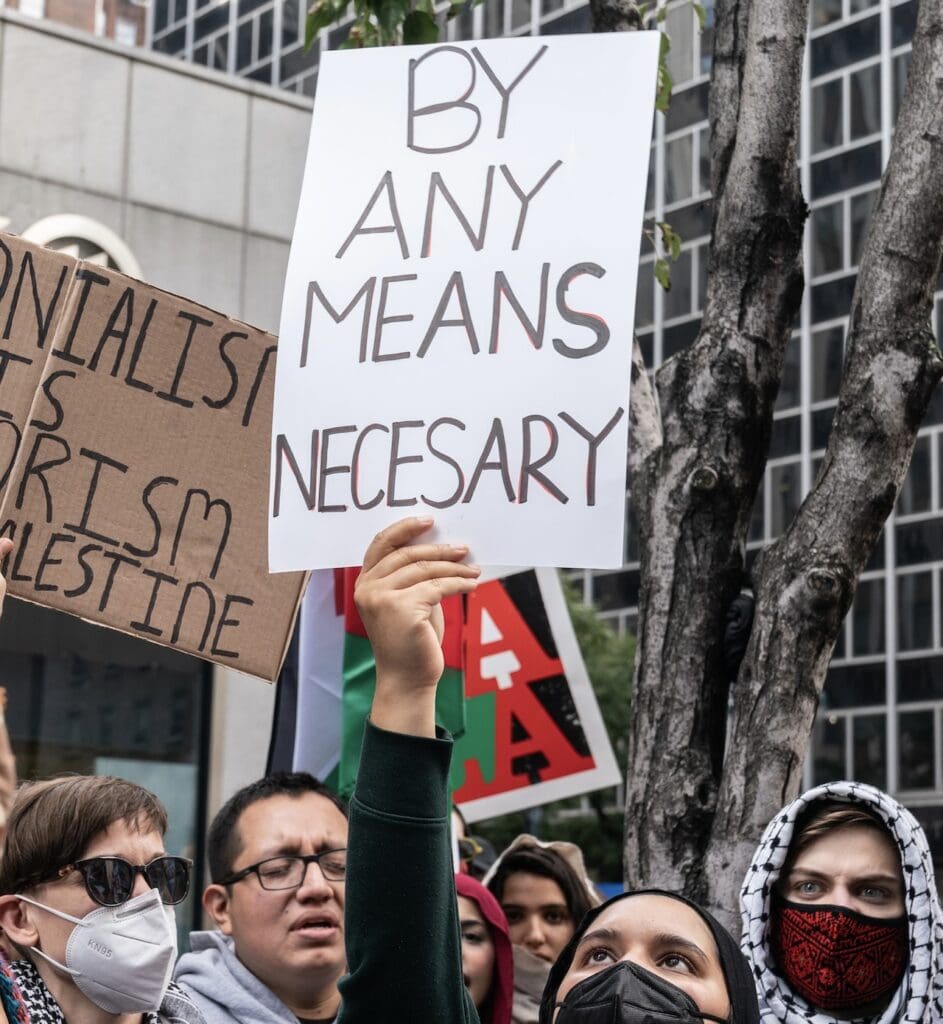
[(121, 958)]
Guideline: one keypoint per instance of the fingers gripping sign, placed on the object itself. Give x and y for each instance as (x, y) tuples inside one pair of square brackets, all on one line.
[(399, 595)]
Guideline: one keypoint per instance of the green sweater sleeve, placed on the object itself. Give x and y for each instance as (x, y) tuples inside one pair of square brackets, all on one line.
[(404, 953)]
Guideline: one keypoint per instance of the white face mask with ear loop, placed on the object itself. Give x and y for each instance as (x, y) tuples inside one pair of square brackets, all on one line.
[(121, 958)]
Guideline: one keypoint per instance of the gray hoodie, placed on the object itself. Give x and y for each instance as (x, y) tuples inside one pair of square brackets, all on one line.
[(225, 991)]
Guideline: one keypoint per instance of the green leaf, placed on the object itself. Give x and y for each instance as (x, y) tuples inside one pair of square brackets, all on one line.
[(455, 9), (362, 33), (663, 274), (663, 93), (418, 27), (643, 10), (390, 14), (321, 14), (701, 14), (661, 14), (670, 239)]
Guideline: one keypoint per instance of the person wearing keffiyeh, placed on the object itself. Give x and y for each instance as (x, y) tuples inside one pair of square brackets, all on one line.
[(841, 916)]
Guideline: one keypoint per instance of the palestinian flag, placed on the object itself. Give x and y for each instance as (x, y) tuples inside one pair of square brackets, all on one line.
[(525, 718), (326, 686)]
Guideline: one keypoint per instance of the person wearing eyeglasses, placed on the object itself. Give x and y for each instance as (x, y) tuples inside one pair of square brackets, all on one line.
[(88, 904), (277, 856)]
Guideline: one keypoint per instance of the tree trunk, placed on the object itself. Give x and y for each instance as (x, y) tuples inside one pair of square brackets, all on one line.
[(806, 580), (694, 487)]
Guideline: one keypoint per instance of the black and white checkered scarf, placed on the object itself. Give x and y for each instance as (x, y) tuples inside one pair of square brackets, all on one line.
[(30, 998), (919, 1000)]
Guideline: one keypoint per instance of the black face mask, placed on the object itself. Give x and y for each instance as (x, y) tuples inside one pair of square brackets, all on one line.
[(628, 994)]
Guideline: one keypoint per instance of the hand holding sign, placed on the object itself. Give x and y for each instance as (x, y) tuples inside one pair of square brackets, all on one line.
[(457, 320), (398, 596)]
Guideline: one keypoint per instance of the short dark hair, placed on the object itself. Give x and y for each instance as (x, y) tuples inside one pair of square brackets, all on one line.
[(52, 822), (224, 843), (546, 863)]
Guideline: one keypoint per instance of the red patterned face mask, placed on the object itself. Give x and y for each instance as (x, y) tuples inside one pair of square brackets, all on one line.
[(837, 959)]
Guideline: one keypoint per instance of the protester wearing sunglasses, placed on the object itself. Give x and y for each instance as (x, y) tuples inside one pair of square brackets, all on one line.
[(89, 892)]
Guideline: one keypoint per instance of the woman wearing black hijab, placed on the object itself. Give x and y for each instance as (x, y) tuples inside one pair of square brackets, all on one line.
[(647, 956)]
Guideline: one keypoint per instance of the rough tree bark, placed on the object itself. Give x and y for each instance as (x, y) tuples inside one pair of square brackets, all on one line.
[(806, 580), (694, 490), (697, 803)]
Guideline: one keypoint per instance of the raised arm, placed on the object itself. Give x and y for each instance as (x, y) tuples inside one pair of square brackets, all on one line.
[(403, 943)]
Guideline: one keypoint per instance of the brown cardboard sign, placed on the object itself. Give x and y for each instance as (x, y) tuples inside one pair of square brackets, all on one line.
[(34, 283), (138, 496)]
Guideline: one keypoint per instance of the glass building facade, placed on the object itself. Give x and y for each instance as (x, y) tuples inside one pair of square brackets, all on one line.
[(881, 717)]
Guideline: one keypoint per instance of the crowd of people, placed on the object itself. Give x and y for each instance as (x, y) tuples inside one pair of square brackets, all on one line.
[(324, 913)]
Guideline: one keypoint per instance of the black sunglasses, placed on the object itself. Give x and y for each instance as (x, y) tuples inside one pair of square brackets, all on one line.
[(110, 880)]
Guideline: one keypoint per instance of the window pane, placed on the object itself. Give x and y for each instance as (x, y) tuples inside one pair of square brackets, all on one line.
[(915, 730), (901, 68), (865, 101), (785, 486), (827, 356), (867, 621), (220, 50), (291, 21), (678, 300), (645, 299), (870, 750), (704, 159), (939, 462), (825, 12), (826, 115), (244, 45), (680, 27), (265, 34), (789, 385), (701, 277), (827, 251), (520, 13), (494, 19), (915, 611), (861, 208), (756, 519), (915, 493), (707, 38), (678, 159), (856, 6), (828, 747)]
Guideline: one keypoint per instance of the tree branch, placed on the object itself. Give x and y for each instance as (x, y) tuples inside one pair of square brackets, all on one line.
[(615, 16), (807, 579)]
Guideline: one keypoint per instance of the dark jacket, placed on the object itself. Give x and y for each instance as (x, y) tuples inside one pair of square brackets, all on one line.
[(404, 949)]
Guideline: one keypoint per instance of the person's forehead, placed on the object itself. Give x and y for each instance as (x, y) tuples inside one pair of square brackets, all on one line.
[(138, 841), (522, 886), (468, 910), (648, 915), (291, 820), (857, 848)]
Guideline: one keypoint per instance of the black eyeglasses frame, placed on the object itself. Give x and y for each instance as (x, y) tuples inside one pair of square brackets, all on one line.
[(306, 859)]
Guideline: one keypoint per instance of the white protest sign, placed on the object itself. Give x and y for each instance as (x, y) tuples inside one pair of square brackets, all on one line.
[(457, 319)]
